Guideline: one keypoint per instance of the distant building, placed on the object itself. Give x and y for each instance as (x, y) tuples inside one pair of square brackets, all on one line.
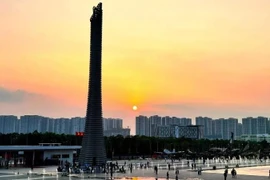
[(142, 126), (164, 131), (232, 124), (191, 131), (154, 122), (8, 124), (114, 132), (247, 128), (112, 123), (77, 125), (259, 125), (239, 130), (262, 125), (166, 121), (217, 129), (148, 126), (185, 122), (31, 123), (255, 137), (207, 124)]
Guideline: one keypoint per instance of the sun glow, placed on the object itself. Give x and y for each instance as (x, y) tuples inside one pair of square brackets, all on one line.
[(134, 108)]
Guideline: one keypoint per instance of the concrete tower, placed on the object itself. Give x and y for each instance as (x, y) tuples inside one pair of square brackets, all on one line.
[(93, 146)]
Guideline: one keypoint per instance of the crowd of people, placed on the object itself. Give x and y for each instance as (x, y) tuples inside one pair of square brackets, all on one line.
[(113, 167)]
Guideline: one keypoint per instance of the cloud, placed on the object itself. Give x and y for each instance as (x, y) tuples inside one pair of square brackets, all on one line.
[(18, 96), (21, 102)]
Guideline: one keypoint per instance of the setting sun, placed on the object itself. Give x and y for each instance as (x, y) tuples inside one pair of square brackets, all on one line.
[(134, 108)]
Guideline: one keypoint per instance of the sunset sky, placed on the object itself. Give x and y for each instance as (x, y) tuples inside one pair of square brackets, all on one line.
[(181, 58)]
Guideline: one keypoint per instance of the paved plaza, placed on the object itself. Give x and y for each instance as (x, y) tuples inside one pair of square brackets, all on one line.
[(245, 173)]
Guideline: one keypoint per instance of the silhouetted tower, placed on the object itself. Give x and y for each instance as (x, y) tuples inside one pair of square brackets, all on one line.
[(93, 147)]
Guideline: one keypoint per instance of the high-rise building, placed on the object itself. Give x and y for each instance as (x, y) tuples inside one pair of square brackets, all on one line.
[(114, 132), (222, 128), (154, 122), (262, 125), (217, 128), (112, 123), (239, 130), (185, 122), (167, 120), (142, 126), (232, 124), (176, 131), (8, 124), (257, 125), (247, 128), (51, 125), (77, 125), (206, 124), (23, 125), (93, 145)]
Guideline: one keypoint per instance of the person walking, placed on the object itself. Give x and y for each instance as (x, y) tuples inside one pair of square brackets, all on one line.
[(233, 172), (176, 174), (225, 174), (156, 170), (131, 168)]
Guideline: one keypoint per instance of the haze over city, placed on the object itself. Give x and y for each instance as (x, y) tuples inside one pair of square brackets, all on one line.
[(192, 58)]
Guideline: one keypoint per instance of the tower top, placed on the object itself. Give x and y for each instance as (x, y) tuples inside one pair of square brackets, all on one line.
[(97, 10), (99, 6)]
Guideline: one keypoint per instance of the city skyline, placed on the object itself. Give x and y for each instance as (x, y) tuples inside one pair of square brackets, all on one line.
[(145, 125), (193, 58), (30, 123)]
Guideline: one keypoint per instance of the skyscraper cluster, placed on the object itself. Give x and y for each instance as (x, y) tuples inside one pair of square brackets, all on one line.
[(111, 123), (259, 125), (147, 126), (221, 128), (31, 123)]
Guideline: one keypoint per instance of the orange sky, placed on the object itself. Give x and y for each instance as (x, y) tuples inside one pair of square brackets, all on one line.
[(177, 58)]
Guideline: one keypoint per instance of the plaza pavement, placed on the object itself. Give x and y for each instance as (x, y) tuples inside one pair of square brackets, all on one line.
[(245, 173)]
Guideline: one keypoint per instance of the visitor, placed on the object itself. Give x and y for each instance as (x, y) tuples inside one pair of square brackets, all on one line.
[(233, 172), (200, 171), (156, 170), (177, 172), (131, 167), (111, 169), (225, 174), (168, 175)]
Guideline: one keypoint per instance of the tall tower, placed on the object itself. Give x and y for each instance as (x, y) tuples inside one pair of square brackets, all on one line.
[(93, 146)]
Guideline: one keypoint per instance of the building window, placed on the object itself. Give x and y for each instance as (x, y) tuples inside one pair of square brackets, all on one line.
[(65, 155), (56, 156)]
